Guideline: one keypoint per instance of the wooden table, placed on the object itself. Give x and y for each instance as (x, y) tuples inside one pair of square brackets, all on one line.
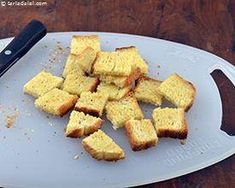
[(205, 24)]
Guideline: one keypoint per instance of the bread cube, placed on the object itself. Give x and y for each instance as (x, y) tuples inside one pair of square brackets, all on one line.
[(42, 83), (178, 91), (80, 43), (118, 112), (101, 147), (113, 63), (170, 122), (141, 134), (76, 84), (146, 90), (92, 103), (81, 124), (72, 66), (115, 93), (56, 102), (137, 59)]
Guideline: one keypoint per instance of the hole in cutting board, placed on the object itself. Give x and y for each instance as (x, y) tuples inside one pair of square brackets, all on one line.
[(227, 93)]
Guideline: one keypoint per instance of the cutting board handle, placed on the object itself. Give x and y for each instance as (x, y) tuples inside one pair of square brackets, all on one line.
[(21, 44)]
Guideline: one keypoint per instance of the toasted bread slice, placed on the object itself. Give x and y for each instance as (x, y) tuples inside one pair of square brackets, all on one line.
[(101, 147), (115, 93), (121, 81), (80, 43), (141, 134), (42, 83), (137, 59), (146, 90), (72, 66), (170, 122), (118, 112), (113, 63), (76, 84), (56, 102), (81, 124), (178, 91), (92, 103)]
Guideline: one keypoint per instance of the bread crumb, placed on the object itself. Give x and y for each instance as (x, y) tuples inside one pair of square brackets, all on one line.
[(10, 120), (183, 142), (76, 157)]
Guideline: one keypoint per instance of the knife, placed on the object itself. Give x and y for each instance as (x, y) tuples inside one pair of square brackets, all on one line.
[(21, 44)]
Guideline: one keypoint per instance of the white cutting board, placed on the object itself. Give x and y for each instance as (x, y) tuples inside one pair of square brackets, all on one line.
[(35, 152)]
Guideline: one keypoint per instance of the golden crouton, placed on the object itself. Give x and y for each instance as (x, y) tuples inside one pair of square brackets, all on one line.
[(92, 103), (146, 90), (80, 43), (101, 147), (72, 66), (42, 83), (118, 112), (178, 91), (170, 122), (82, 125), (56, 102), (141, 134), (113, 63), (121, 81), (76, 84), (115, 93), (137, 59)]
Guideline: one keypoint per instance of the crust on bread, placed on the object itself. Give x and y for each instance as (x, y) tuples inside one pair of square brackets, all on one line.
[(88, 111), (67, 106), (194, 94)]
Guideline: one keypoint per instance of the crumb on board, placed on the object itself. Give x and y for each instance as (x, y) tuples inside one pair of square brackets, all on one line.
[(183, 142), (76, 157), (11, 119)]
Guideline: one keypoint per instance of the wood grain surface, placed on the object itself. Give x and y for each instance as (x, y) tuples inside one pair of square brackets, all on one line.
[(205, 24)]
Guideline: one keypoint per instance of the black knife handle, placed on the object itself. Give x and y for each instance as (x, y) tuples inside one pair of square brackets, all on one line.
[(21, 44)]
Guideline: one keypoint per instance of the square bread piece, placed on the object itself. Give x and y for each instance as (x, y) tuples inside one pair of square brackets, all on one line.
[(80, 43), (101, 147), (115, 93), (178, 91), (81, 124), (72, 66), (56, 102), (121, 81), (118, 112), (113, 63), (141, 134), (170, 122), (76, 84), (146, 90), (137, 59), (92, 103), (42, 83)]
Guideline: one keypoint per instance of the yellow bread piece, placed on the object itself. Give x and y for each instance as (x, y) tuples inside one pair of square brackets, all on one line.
[(114, 92), (76, 84), (81, 124), (80, 43), (121, 81), (146, 90), (141, 134), (113, 63), (42, 83), (92, 103), (170, 122), (72, 66), (118, 112), (178, 91), (56, 102), (137, 59), (101, 147)]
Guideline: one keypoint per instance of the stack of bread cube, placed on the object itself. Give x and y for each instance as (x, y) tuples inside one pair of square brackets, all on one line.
[(96, 82)]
